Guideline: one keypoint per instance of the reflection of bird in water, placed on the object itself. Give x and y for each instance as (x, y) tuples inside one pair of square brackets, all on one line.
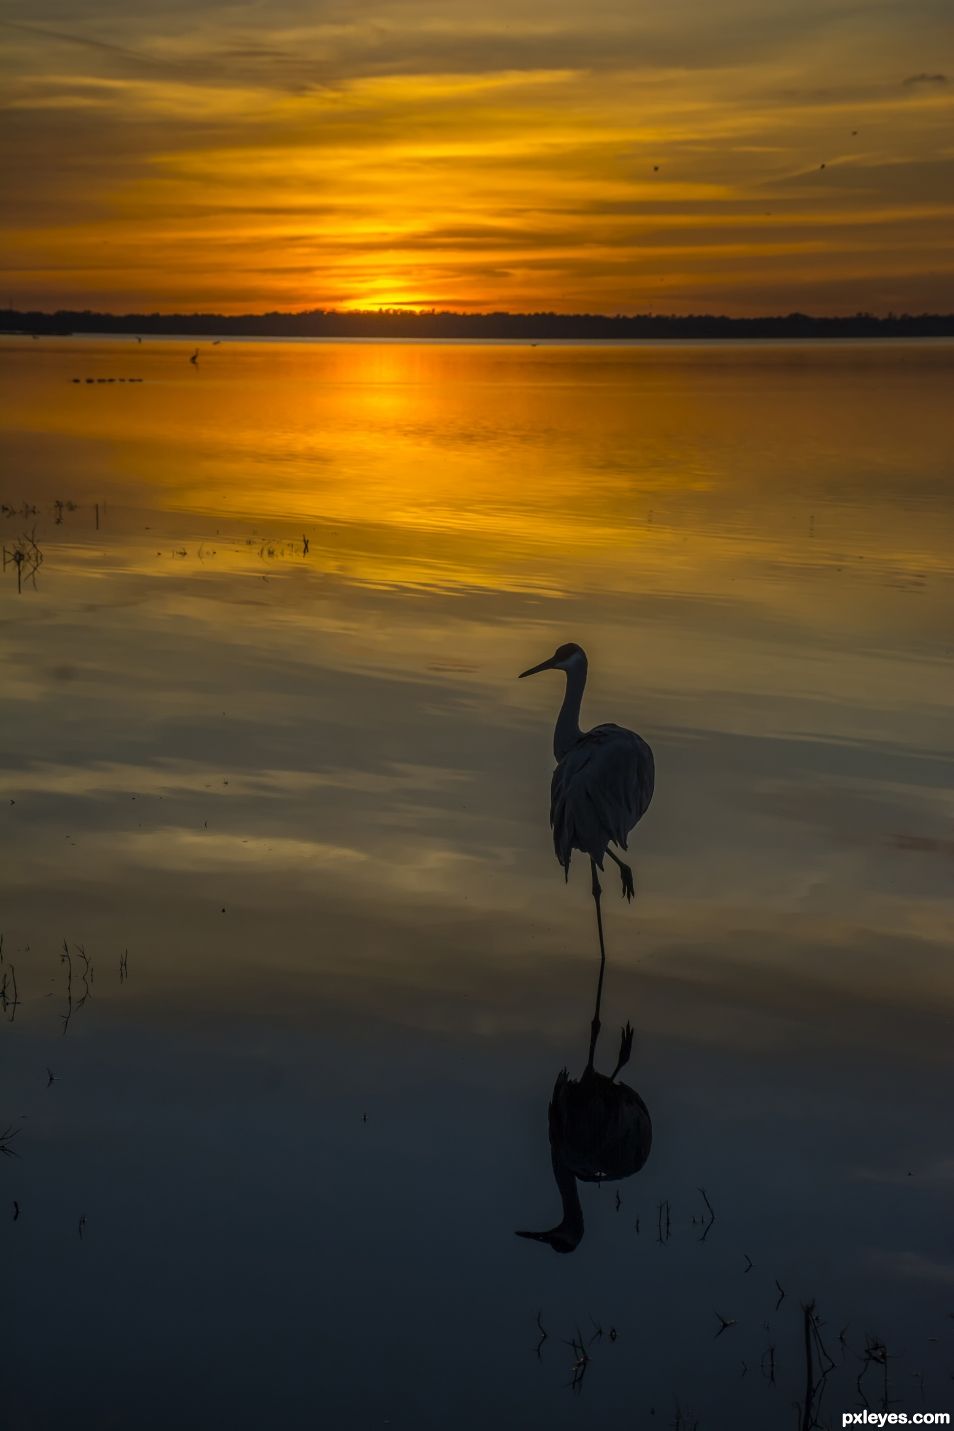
[(195, 358), (602, 784), (600, 1131)]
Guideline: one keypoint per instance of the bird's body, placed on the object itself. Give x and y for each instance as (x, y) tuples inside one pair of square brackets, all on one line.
[(600, 1131), (600, 790), (603, 782)]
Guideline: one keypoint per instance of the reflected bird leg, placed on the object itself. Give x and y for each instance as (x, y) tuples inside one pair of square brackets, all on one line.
[(625, 1049), (626, 876), (595, 1025)]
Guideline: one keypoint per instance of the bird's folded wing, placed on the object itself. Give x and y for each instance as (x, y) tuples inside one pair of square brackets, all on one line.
[(600, 789)]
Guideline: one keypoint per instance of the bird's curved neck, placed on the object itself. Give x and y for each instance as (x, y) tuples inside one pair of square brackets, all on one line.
[(567, 731), (572, 1224)]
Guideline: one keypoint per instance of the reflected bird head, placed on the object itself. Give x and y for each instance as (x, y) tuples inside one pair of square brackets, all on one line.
[(564, 658), (561, 1239)]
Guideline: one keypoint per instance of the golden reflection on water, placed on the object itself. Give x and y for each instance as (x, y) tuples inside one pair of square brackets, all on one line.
[(352, 548)]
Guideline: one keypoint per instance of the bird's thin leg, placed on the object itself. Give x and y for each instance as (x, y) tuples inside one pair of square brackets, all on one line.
[(597, 891), (626, 875)]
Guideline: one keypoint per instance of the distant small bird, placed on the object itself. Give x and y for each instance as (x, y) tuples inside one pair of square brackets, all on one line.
[(138, 339), (216, 342), (655, 168), (603, 782), (822, 166), (195, 357), (854, 133)]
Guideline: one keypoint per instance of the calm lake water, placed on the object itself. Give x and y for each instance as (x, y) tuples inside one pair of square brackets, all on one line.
[(266, 768)]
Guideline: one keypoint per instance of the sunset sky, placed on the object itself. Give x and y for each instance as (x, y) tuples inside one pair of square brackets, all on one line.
[(238, 157)]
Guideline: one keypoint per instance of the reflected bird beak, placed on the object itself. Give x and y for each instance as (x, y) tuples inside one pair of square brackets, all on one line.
[(543, 666)]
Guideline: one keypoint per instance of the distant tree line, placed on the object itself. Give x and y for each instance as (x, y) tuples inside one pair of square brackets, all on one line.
[(396, 323)]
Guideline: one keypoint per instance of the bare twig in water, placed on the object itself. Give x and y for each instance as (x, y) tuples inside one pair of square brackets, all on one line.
[(724, 1324), (9, 998), (65, 958), (25, 556), (814, 1387), (683, 1422), (543, 1333), (749, 1264), (580, 1364), (768, 1371), (87, 974), (6, 1138), (781, 1294), (712, 1217), (124, 967), (875, 1354)]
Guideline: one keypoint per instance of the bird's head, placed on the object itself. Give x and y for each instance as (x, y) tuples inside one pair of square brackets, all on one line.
[(565, 658), (561, 1239)]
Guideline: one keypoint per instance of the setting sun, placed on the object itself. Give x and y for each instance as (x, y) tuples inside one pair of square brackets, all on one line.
[(695, 158)]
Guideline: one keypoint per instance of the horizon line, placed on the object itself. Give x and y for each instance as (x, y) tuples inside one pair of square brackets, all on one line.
[(473, 314)]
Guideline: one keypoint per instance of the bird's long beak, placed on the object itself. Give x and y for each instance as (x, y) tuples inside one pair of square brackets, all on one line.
[(543, 666), (537, 1236)]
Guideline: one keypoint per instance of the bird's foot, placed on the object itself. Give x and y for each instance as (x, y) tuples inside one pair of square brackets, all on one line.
[(628, 883)]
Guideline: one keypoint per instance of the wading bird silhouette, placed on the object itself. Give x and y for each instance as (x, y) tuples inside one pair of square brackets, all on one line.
[(600, 1131), (195, 358), (602, 784)]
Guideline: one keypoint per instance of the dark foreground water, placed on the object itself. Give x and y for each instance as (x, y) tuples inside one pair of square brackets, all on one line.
[(267, 772)]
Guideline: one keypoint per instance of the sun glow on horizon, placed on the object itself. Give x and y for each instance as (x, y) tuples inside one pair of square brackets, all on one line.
[(797, 157)]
